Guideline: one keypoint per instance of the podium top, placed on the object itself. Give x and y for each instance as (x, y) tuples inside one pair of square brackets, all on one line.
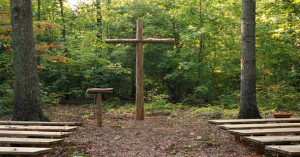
[(99, 90)]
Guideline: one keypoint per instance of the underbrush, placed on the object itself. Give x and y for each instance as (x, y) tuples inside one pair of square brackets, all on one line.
[(217, 112), (6, 98), (150, 109)]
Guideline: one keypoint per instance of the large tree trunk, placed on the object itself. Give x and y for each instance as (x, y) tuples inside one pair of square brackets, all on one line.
[(26, 105), (248, 106)]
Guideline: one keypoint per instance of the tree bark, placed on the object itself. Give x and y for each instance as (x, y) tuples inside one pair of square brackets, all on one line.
[(248, 105), (63, 31), (26, 105)]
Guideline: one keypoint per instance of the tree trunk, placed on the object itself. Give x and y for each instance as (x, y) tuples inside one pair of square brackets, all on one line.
[(26, 105), (99, 19), (63, 31), (248, 106)]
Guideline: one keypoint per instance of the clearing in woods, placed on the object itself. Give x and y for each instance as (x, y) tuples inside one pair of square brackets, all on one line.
[(159, 135)]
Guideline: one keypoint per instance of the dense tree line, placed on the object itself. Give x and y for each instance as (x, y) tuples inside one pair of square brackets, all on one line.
[(203, 67)]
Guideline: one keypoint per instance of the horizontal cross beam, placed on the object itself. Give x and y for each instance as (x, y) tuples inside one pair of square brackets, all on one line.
[(149, 40)]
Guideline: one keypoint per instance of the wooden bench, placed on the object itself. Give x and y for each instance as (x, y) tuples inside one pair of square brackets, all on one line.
[(40, 123), (250, 132), (254, 121), (262, 141), (259, 126), (286, 150), (35, 134), (39, 128), (24, 151), (11, 130), (29, 141)]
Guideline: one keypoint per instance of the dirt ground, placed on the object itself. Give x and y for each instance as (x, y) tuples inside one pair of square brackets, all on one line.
[(156, 136)]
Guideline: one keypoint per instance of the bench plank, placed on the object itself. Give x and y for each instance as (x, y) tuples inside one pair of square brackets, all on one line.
[(291, 150), (269, 140), (251, 121), (40, 123), (34, 141), (99, 90), (264, 131), (38, 128), (34, 133), (23, 150), (257, 126)]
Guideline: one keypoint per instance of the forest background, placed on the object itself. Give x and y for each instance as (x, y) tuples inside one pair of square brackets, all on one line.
[(202, 68)]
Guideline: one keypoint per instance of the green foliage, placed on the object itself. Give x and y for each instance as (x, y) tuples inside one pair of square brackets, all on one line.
[(6, 98), (157, 106), (214, 112), (230, 100), (50, 98), (201, 68), (278, 96)]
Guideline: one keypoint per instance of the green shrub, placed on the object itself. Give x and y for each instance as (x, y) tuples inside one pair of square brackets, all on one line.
[(47, 98), (230, 101), (279, 96), (6, 98)]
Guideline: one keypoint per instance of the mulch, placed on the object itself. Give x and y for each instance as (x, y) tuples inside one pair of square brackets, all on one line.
[(157, 136)]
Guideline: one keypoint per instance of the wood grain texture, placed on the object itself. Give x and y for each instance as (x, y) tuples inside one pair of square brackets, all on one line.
[(34, 141), (269, 140), (41, 123), (99, 90), (291, 150), (139, 73), (139, 41), (259, 126), (38, 128), (23, 150), (251, 121), (34, 133), (99, 110), (264, 131)]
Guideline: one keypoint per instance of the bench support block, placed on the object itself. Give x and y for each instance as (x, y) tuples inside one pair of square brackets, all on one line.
[(237, 138), (260, 149)]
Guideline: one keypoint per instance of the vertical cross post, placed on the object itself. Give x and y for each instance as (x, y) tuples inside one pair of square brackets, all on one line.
[(139, 96), (139, 41), (98, 92)]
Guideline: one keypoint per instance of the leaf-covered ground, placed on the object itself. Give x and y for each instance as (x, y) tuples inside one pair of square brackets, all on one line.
[(158, 136)]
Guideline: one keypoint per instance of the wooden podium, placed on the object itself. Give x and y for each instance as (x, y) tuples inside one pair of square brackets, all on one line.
[(98, 92)]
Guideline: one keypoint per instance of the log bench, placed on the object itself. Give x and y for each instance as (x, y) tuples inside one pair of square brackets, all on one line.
[(254, 131), (239, 133), (39, 128), (259, 126), (41, 123), (285, 150), (24, 151), (254, 121), (29, 141), (261, 141), (34, 134)]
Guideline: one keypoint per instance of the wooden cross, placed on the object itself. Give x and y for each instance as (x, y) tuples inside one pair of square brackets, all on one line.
[(139, 41)]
